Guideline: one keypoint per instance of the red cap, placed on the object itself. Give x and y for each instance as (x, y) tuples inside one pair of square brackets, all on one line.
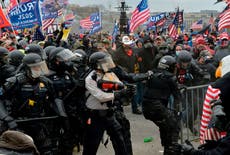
[(200, 40), (224, 35)]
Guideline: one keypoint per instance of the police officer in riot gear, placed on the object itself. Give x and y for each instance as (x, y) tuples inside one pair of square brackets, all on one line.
[(80, 62), (47, 50), (14, 61), (66, 88), (156, 97), (29, 95), (99, 103)]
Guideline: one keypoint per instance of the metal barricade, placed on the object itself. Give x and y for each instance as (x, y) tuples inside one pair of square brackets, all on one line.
[(191, 111)]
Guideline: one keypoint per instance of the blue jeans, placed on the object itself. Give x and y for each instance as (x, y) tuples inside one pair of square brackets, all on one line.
[(138, 97)]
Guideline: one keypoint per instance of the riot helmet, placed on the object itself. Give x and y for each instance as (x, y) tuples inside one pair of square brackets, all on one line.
[(167, 63), (61, 59), (35, 66), (34, 48), (15, 57), (101, 61), (3, 55), (53, 53), (48, 49), (81, 56)]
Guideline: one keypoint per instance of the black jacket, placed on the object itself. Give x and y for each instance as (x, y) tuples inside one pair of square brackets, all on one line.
[(161, 86)]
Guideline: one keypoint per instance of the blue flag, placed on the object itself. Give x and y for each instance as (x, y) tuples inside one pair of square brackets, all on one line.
[(115, 31), (96, 19), (154, 19), (25, 15)]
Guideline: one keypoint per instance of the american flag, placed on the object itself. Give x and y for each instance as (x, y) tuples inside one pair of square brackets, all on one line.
[(181, 17), (69, 17), (207, 132), (197, 25), (86, 23), (224, 21), (174, 25), (139, 15), (161, 22), (47, 22)]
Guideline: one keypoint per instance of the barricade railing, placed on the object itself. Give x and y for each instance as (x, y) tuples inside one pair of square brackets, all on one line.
[(191, 111)]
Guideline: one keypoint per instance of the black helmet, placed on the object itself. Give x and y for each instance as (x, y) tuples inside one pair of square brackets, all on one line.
[(34, 48), (54, 52), (15, 57), (167, 63), (3, 53), (81, 56), (31, 58), (80, 51), (184, 57), (48, 49), (34, 65), (101, 61)]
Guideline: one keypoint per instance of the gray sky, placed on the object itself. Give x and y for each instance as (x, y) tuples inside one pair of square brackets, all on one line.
[(160, 5)]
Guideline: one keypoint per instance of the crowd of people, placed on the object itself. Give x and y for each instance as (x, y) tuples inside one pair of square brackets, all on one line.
[(68, 93)]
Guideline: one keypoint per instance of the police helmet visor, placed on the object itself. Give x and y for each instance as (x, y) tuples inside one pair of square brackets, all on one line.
[(66, 55), (38, 69), (106, 64)]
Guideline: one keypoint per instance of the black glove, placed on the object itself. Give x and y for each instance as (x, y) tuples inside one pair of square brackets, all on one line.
[(187, 148), (218, 115), (128, 92), (11, 122), (149, 74), (209, 144)]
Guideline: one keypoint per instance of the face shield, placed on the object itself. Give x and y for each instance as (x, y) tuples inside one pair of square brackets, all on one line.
[(106, 64), (66, 55), (38, 69)]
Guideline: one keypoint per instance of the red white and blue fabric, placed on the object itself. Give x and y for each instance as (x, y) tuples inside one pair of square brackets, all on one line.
[(47, 22), (206, 131), (86, 23), (173, 26), (139, 15), (197, 25), (224, 21)]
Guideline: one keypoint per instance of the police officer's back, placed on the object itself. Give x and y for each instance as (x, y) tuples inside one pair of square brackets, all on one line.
[(156, 97)]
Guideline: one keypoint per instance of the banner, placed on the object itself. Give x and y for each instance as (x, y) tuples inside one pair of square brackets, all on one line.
[(152, 22), (3, 21), (157, 17), (65, 34), (50, 8), (96, 18), (25, 15)]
